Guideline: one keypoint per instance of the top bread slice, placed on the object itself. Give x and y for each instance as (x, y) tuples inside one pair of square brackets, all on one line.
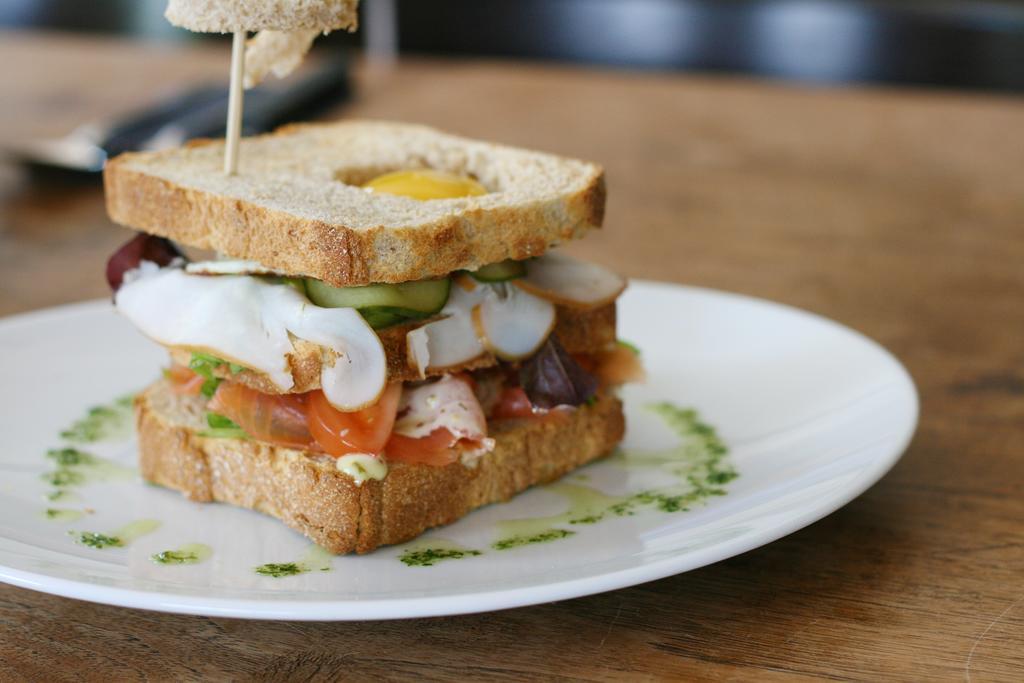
[(228, 16), (297, 205)]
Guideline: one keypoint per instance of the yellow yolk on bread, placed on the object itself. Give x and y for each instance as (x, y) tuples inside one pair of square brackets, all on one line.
[(426, 184)]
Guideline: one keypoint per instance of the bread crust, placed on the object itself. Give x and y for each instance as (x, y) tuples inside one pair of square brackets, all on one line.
[(181, 194), (578, 330), (228, 16), (310, 495)]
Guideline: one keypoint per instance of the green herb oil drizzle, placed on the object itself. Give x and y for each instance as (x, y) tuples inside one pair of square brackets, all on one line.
[(315, 559), (699, 464), (61, 496), (102, 423), (586, 506), (428, 552), (63, 515), (192, 553), (116, 539), (75, 467)]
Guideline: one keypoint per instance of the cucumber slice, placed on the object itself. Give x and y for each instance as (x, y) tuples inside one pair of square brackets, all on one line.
[(420, 298), (296, 283), (500, 271), (379, 317)]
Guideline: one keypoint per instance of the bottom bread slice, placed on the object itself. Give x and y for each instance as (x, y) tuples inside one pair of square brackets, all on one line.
[(308, 493)]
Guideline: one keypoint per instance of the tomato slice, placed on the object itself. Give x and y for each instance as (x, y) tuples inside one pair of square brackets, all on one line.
[(310, 422), (434, 449), (184, 380), (512, 403), (339, 433), (278, 418)]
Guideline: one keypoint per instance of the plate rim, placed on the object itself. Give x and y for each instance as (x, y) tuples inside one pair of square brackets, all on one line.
[(490, 600)]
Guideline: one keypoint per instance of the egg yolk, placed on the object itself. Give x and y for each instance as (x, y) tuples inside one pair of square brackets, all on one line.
[(426, 184)]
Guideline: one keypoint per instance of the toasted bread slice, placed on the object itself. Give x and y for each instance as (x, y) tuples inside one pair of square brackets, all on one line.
[(579, 331), (228, 16), (297, 205), (309, 494)]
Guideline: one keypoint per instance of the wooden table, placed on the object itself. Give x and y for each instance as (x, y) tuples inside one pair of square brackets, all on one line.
[(898, 213)]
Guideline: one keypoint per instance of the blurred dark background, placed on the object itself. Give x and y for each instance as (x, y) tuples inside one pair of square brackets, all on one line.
[(972, 45)]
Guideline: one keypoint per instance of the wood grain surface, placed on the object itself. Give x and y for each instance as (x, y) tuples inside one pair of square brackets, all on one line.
[(898, 213)]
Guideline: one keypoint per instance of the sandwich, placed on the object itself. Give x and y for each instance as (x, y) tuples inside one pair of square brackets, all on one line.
[(380, 334)]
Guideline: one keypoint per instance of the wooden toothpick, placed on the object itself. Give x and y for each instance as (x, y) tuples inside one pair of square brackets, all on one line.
[(235, 97)]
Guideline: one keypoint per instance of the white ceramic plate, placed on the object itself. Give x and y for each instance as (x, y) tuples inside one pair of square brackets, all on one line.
[(812, 414)]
